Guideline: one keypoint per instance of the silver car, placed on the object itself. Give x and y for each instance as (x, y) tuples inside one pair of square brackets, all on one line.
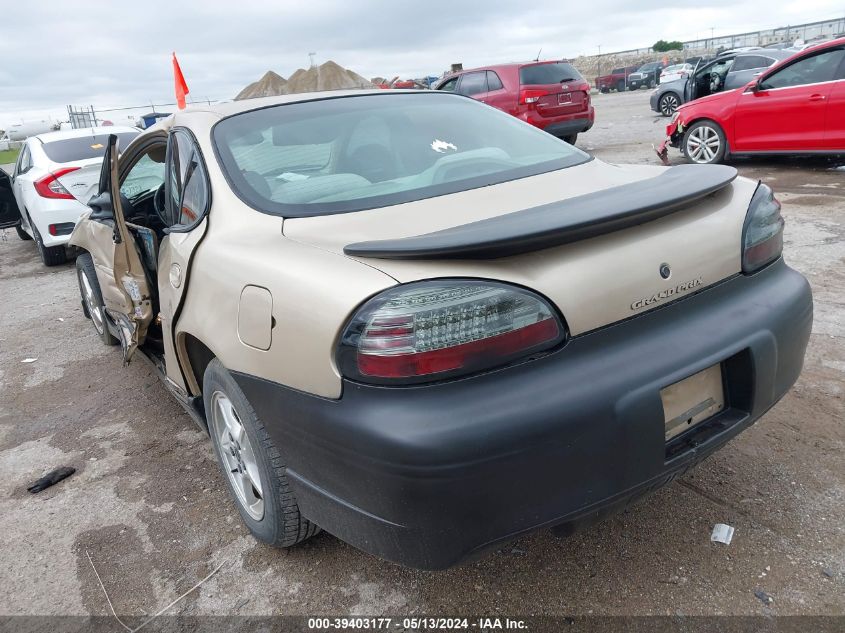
[(726, 72)]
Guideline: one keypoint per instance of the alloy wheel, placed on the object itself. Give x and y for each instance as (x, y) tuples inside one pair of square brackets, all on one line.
[(94, 308), (703, 144), (237, 455), (668, 104)]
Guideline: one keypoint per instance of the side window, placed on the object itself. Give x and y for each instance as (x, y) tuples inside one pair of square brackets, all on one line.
[(450, 85), (25, 160), (493, 81), (810, 70), (145, 176), (473, 84), (748, 62), (187, 186)]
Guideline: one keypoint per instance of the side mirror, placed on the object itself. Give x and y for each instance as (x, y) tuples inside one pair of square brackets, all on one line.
[(753, 86), (101, 207)]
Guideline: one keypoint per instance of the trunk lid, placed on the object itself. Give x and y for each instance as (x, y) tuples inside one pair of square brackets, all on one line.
[(82, 182), (562, 99), (593, 282), (557, 86)]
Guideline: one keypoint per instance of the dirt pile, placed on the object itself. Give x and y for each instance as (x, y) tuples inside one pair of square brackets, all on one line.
[(269, 85), (327, 76), (592, 66)]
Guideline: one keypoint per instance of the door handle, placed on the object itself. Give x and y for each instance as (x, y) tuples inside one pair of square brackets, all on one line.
[(817, 97)]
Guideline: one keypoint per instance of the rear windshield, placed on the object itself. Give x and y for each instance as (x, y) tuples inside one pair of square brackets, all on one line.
[(540, 74), (83, 147), (337, 155)]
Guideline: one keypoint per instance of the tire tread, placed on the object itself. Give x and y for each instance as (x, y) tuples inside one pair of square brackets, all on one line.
[(292, 527)]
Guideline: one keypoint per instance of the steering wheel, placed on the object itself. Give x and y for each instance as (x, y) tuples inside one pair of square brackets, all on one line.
[(158, 204)]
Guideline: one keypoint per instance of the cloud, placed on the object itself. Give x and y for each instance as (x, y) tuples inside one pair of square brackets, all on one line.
[(113, 54)]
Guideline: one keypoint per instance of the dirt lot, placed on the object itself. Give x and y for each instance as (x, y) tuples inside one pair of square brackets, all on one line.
[(149, 506)]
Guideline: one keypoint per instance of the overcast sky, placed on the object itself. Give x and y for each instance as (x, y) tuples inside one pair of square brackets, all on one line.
[(112, 54)]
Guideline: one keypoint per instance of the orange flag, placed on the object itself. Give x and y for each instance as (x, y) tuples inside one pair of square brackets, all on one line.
[(181, 86)]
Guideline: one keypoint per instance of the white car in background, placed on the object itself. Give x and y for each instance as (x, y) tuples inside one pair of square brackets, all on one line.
[(55, 176), (675, 72)]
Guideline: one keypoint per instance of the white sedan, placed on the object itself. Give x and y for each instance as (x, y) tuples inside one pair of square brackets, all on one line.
[(673, 73), (55, 176)]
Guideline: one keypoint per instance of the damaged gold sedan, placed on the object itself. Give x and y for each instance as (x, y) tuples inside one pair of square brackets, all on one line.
[(426, 327)]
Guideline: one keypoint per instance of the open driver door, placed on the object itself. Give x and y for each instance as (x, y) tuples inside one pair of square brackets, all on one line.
[(10, 215), (123, 282)]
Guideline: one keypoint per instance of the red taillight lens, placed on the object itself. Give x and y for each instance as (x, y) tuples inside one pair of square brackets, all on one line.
[(437, 329), (762, 234), (49, 186), (531, 95)]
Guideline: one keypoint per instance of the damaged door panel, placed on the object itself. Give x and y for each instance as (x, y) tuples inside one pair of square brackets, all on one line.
[(186, 205), (104, 234)]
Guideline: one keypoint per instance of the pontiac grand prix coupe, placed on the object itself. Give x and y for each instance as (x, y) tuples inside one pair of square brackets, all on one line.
[(427, 327)]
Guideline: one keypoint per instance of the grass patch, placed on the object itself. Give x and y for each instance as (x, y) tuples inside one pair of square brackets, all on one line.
[(9, 156)]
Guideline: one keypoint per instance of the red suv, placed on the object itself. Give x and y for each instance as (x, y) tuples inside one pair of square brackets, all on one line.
[(797, 106), (552, 95)]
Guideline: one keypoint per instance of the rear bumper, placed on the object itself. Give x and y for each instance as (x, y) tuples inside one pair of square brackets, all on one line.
[(427, 476), (565, 125), (56, 212)]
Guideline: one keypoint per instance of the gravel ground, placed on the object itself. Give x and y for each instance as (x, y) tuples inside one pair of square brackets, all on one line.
[(149, 506)]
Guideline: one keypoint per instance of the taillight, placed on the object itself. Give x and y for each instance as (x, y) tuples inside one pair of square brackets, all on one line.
[(432, 330), (531, 95), (762, 233), (49, 186)]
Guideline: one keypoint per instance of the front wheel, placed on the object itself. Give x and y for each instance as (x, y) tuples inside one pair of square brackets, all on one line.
[(252, 465), (620, 86), (704, 143), (92, 298), (669, 102)]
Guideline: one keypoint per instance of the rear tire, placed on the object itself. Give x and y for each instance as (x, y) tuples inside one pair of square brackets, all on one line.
[(92, 298), (571, 139), (50, 255), (254, 471), (604, 90), (704, 143), (22, 234)]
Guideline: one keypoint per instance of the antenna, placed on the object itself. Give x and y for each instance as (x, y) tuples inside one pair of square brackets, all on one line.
[(537, 59), (312, 55)]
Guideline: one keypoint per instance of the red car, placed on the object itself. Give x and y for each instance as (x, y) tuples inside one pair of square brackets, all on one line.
[(795, 107), (552, 95)]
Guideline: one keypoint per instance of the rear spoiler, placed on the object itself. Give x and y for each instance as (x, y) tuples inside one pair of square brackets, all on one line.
[(560, 222)]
